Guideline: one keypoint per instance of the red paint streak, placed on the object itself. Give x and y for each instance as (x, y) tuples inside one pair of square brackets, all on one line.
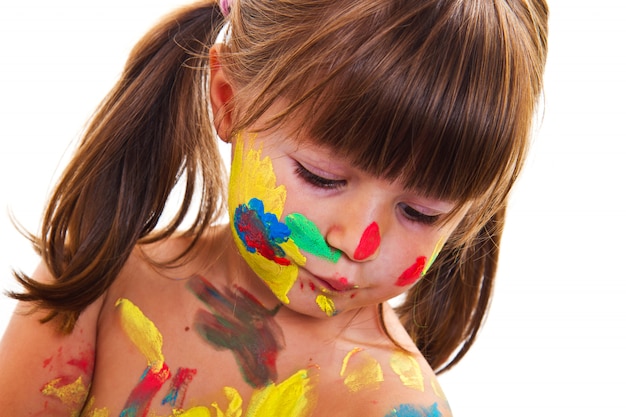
[(46, 362), (353, 295), (412, 273), (256, 237), (369, 242), (312, 286), (84, 362), (138, 403), (178, 388), (301, 285)]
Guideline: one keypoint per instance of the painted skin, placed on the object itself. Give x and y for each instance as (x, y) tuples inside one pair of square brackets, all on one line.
[(283, 238), (285, 185), (296, 396)]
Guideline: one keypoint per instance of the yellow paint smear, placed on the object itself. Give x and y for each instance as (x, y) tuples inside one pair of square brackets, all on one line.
[(434, 255), (361, 371), (291, 398), (72, 395), (193, 412), (234, 404), (250, 178), (326, 304), (142, 332), (408, 369), (95, 412), (254, 178), (437, 389)]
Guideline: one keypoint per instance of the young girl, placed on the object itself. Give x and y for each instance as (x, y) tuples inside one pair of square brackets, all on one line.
[(374, 143)]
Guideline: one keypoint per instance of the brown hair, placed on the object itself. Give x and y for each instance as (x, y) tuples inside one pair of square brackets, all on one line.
[(438, 93)]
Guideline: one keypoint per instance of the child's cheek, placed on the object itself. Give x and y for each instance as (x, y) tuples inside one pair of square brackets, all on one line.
[(412, 273), (419, 267)]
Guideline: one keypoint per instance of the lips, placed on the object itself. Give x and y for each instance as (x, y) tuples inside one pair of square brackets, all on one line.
[(336, 285)]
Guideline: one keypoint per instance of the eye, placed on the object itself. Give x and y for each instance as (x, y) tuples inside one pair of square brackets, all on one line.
[(317, 181), (416, 216)]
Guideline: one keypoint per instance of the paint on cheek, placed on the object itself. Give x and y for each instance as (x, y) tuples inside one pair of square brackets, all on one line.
[(408, 369), (294, 396), (361, 371), (261, 232), (326, 305), (239, 323), (71, 394), (368, 245), (176, 395), (434, 255), (266, 250), (308, 237), (408, 410), (412, 273)]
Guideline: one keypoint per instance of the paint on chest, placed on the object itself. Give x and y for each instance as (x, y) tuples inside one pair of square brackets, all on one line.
[(236, 321)]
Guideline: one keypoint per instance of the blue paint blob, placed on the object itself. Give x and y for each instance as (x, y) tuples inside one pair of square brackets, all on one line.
[(408, 410)]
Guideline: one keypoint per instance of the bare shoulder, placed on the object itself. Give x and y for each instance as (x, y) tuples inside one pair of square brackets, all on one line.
[(44, 370), (408, 385), (393, 383)]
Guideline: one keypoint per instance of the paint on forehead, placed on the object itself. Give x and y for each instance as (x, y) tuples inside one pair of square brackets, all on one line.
[(308, 237), (253, 179), (238, 322), (408, 369), (361, 371), (326, 305), (72, 394), (142, 332), (178, 388), (295, 396), (412, 273), (368, 245)]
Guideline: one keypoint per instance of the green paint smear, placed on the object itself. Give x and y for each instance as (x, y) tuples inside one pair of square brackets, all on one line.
[(307, 236)]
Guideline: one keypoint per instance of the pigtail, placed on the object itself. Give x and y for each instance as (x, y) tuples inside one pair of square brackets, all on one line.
[(152, 130), (445, 310)]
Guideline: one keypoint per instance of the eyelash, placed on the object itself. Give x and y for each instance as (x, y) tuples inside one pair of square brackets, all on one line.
[(316, 180), (327, 184), (415, 216)]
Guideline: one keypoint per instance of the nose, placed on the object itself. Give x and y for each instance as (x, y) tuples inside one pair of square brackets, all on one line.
[(358, 242)]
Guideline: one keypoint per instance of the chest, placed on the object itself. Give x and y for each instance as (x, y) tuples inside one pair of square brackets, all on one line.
[(155, 359), (198, 352)]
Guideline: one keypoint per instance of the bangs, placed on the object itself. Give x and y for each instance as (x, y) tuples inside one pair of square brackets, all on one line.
[(444, 123), (450, 122)]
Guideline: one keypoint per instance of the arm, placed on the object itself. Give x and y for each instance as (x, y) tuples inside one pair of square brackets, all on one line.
[(42, 371)]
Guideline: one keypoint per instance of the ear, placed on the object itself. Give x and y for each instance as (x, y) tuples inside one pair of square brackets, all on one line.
[(221, 93)]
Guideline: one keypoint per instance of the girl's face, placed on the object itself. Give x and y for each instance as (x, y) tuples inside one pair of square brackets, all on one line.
[(324, 236)]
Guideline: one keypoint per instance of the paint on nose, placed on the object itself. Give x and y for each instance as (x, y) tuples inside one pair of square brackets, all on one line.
[(368, 245)]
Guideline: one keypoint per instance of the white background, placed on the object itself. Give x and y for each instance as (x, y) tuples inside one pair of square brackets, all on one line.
[(554, 342)]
